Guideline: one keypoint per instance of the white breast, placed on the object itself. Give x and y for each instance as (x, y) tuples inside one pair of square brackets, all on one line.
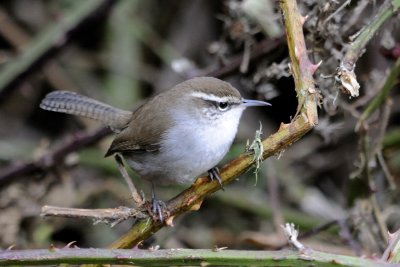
[(192, 147)]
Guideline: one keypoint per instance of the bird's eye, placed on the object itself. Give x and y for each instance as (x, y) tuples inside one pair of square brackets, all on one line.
[(223, 106)]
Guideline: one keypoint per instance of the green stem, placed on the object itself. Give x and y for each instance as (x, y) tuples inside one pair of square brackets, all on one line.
[(182, 257), (389, 8)]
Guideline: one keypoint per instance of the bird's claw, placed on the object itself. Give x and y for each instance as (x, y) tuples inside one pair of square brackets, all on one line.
[(214, 174), (158, 209)]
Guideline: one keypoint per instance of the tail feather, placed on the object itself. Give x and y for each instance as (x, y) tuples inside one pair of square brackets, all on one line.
[(75, 104)]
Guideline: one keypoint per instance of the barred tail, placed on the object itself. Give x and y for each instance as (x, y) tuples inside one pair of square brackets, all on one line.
[(73, 103)]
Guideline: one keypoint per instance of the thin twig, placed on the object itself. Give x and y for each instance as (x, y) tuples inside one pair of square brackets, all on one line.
[(137, 198), (346, 3), (317, 229), (107, 216), (386, 171)]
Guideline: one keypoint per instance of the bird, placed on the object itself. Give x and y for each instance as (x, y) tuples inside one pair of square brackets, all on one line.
[(174, 137)]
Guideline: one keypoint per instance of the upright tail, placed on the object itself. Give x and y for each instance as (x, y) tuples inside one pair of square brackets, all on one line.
[(73, 103)]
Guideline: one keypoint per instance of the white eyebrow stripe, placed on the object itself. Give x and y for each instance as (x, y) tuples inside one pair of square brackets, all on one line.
[(214, 98)]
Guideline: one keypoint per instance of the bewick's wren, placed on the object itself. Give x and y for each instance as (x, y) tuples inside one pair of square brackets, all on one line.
[(174, 137)]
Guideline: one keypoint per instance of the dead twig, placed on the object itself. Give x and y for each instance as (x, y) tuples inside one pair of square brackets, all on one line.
[(137, 198), (108, 216)]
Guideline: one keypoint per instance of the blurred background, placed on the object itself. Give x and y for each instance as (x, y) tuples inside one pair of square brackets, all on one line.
[(338, 185)]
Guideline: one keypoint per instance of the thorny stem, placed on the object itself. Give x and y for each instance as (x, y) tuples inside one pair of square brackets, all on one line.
[(301, 67), (182, 257)]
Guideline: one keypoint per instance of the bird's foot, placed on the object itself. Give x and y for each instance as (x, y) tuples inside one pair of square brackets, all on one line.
[(157, 209), (214, 174)]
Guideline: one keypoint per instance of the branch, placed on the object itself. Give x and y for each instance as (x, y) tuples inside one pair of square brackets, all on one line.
[(46, 45), (107, 216), (50, 159), (306, 119), (182, 257), (345, 71)]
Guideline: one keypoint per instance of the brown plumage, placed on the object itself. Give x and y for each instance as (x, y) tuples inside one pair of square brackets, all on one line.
[(133, 133), (139, 136)]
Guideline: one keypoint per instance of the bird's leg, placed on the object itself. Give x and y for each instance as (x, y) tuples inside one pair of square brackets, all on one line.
[(158, 207), (214, 174), (137, 198)]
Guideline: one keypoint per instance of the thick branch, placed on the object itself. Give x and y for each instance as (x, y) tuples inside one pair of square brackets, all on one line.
[(301, 67)]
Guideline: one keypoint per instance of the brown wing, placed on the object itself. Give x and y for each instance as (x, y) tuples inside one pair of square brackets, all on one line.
[(127, 146), (144, 131)]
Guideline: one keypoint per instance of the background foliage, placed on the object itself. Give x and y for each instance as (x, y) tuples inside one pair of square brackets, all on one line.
[(339, 176)]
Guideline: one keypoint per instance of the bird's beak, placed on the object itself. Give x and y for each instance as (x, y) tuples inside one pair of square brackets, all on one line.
[(253, 103)]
